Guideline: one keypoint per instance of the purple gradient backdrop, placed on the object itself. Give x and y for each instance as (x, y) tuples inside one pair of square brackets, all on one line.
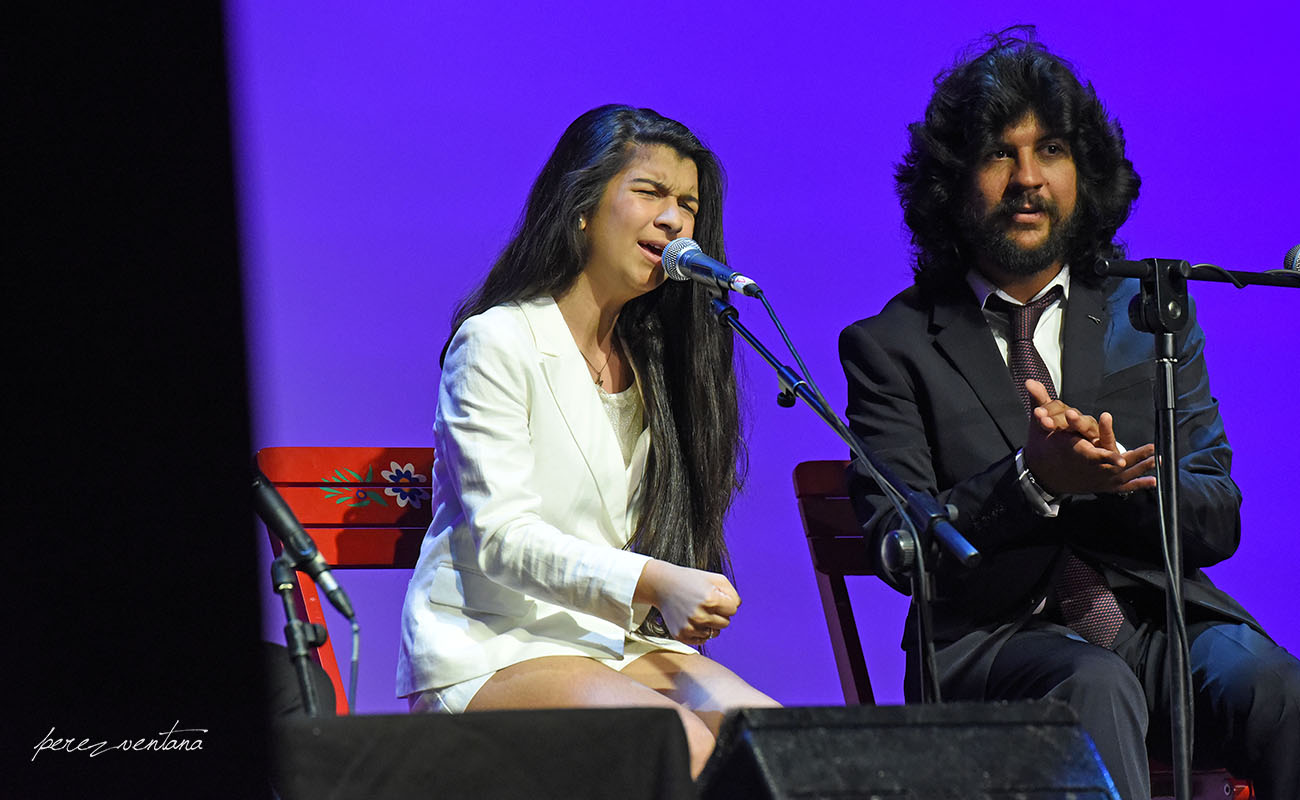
[(384, 155)]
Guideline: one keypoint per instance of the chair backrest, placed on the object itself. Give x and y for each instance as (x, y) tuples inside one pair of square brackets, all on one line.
[(838, 548), (365, 507)]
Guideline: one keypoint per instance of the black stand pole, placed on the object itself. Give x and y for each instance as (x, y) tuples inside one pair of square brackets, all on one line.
[(925, 521), (1162, 309), (300, 637), (1180, 690), (902, 554)]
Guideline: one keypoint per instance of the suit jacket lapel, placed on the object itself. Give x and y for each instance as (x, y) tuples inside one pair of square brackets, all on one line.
[(964, 337), (1086, 321), (580, 406)]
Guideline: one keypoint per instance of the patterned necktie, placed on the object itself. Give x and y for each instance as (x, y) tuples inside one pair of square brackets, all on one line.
[(1087, 604), (1022, 356)]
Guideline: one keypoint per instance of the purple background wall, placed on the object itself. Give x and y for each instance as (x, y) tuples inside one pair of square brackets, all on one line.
[(384, 155)]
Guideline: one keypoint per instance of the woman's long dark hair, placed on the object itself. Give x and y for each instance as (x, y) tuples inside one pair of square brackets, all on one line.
[(973, 103), (683, 357)]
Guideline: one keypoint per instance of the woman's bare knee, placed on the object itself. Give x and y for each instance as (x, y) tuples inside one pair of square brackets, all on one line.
[(706, 687), (699, 739), (574, 682)]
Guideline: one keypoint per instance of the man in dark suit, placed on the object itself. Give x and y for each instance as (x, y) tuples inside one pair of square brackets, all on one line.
[(1014, 187)]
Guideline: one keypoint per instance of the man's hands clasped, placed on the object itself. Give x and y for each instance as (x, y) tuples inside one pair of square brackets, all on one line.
[(1069, 452)]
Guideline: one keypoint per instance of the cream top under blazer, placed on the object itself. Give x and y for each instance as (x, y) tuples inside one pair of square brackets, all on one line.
[(532, 508)]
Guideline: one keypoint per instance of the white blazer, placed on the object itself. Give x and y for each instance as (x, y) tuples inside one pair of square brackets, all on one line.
[(532, 508)]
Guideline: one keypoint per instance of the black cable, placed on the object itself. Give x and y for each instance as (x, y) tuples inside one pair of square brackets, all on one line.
[(1228, 276), (356, 664)]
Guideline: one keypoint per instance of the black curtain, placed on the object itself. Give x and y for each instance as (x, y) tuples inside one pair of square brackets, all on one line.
[(131, 559)]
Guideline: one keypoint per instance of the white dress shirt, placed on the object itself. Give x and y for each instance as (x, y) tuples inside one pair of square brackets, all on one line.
[(1047, 334)]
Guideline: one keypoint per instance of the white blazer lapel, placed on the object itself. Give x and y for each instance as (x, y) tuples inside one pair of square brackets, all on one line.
[(567, 378)]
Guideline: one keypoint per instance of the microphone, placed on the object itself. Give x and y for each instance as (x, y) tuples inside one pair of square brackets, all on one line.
[(1292, 260), (298, 546), (683, 260)]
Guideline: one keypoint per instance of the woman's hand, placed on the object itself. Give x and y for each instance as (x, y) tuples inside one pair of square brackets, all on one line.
[(695, 604)]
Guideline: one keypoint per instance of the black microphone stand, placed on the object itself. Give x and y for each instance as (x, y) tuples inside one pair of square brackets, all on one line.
[(301, 637), (925, 523), (1161, 309), (301, 554)]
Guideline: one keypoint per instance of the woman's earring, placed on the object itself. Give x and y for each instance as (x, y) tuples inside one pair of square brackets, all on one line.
[(582, 223)]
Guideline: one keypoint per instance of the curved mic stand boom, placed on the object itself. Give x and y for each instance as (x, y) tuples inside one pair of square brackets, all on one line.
[(925, 523)]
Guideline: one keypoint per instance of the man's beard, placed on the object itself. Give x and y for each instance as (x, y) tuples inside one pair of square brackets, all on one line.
[(987, 234)]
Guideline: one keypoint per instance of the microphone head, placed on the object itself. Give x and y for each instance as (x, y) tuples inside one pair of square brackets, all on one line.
[(671, 258), (1292, 260)]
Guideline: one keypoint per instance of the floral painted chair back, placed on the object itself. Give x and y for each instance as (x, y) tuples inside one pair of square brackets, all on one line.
[(366, 507)]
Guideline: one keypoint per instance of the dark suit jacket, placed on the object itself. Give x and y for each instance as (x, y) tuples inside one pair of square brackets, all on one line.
[(929, 392)]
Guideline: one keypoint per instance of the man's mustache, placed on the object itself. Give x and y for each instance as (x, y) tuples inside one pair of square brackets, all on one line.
[(1022, 204)]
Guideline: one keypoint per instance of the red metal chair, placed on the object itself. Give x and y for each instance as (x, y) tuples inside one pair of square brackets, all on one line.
[(365, 507), (838, 548)]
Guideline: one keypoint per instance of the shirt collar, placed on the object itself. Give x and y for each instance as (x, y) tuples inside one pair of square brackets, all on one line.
[(983, 289)]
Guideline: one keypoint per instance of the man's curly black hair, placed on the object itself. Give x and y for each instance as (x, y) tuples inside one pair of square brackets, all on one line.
[(973, 103)]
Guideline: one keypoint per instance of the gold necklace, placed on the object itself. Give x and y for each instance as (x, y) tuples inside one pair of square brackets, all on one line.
[(600, 380)]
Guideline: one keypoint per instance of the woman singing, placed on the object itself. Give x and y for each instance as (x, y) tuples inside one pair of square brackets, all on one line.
[(587, 437)]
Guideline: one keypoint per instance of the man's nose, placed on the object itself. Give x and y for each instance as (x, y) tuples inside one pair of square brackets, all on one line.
[(1028, 172)]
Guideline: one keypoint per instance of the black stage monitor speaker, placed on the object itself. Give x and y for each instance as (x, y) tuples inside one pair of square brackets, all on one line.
[(1027, 751), (627, 753)]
